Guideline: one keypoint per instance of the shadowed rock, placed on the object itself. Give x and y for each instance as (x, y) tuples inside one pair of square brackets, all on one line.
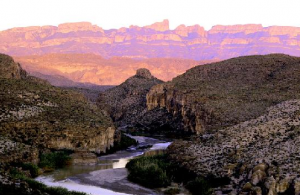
[(127, 102)]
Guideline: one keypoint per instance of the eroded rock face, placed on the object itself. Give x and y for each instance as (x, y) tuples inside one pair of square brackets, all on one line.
[(259, 156), (210, 97), (40, 115)]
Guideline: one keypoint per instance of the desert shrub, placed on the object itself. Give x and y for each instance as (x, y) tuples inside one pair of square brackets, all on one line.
[(199, 186), (157, 171), (54, 160), (34, 169), (149, 171)]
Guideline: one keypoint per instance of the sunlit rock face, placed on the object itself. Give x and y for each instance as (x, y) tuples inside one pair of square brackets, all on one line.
[(156, 40), (109, 57)]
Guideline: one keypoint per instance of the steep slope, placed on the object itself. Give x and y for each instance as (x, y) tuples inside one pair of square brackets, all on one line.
[(35, 113), (259, 156), (126, 103), (217, 95), (152, 41)]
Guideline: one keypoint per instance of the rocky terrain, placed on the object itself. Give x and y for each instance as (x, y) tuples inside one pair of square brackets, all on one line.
[(16, 152), (126, 103), (152, 41), (259, 156), (218, 95), (40, 115)]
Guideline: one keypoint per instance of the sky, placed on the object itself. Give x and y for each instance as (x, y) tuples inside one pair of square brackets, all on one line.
[(112, 14)]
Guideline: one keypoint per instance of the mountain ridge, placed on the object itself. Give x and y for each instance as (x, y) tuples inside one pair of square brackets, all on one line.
[(156, 40)]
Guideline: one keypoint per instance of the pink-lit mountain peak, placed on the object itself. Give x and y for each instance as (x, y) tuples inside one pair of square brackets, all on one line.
[(152, 41)]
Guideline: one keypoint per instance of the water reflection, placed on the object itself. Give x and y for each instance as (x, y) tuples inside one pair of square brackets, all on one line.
[(112, 161)]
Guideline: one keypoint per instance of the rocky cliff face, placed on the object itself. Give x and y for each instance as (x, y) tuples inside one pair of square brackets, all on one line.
[(152, 41), (37, 114), (126, 103), (259, 156), (209, 97)]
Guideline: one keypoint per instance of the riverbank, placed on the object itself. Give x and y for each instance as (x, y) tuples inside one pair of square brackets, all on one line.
[(108, 176)]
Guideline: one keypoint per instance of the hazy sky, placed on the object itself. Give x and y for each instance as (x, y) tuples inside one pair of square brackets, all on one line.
[(123, 13)]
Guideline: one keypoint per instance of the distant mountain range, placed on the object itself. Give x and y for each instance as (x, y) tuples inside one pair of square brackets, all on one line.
[(83, 52), (153, 41)]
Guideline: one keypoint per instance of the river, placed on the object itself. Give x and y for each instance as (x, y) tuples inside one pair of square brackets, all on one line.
[(109, 175)]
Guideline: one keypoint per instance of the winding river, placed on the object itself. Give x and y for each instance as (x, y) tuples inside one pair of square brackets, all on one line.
[(109, 175)]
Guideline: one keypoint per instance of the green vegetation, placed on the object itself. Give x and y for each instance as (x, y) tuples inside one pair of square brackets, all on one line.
[(124, 143), (35, 185), (32, 168), (157, 171), (149, 171), (54, 160), (199, 186)]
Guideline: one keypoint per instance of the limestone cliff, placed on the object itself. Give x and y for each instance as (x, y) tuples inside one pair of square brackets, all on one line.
[(209, 97), (37, 114)]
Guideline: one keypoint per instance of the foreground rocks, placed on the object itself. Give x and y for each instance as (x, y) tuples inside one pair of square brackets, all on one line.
[(259, 156)]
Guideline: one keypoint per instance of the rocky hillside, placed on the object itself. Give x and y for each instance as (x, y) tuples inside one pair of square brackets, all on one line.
[(259, 156), (152, 41), (35, 113), (213, 96), (126, 103)]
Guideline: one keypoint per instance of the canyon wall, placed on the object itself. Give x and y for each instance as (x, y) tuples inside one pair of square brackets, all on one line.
[(213, 96), (37, 114)]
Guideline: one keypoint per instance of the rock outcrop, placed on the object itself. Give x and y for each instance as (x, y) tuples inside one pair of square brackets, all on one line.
[(126, 103), (259, 156), (210, 97), (10, 69), (40, 115)]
